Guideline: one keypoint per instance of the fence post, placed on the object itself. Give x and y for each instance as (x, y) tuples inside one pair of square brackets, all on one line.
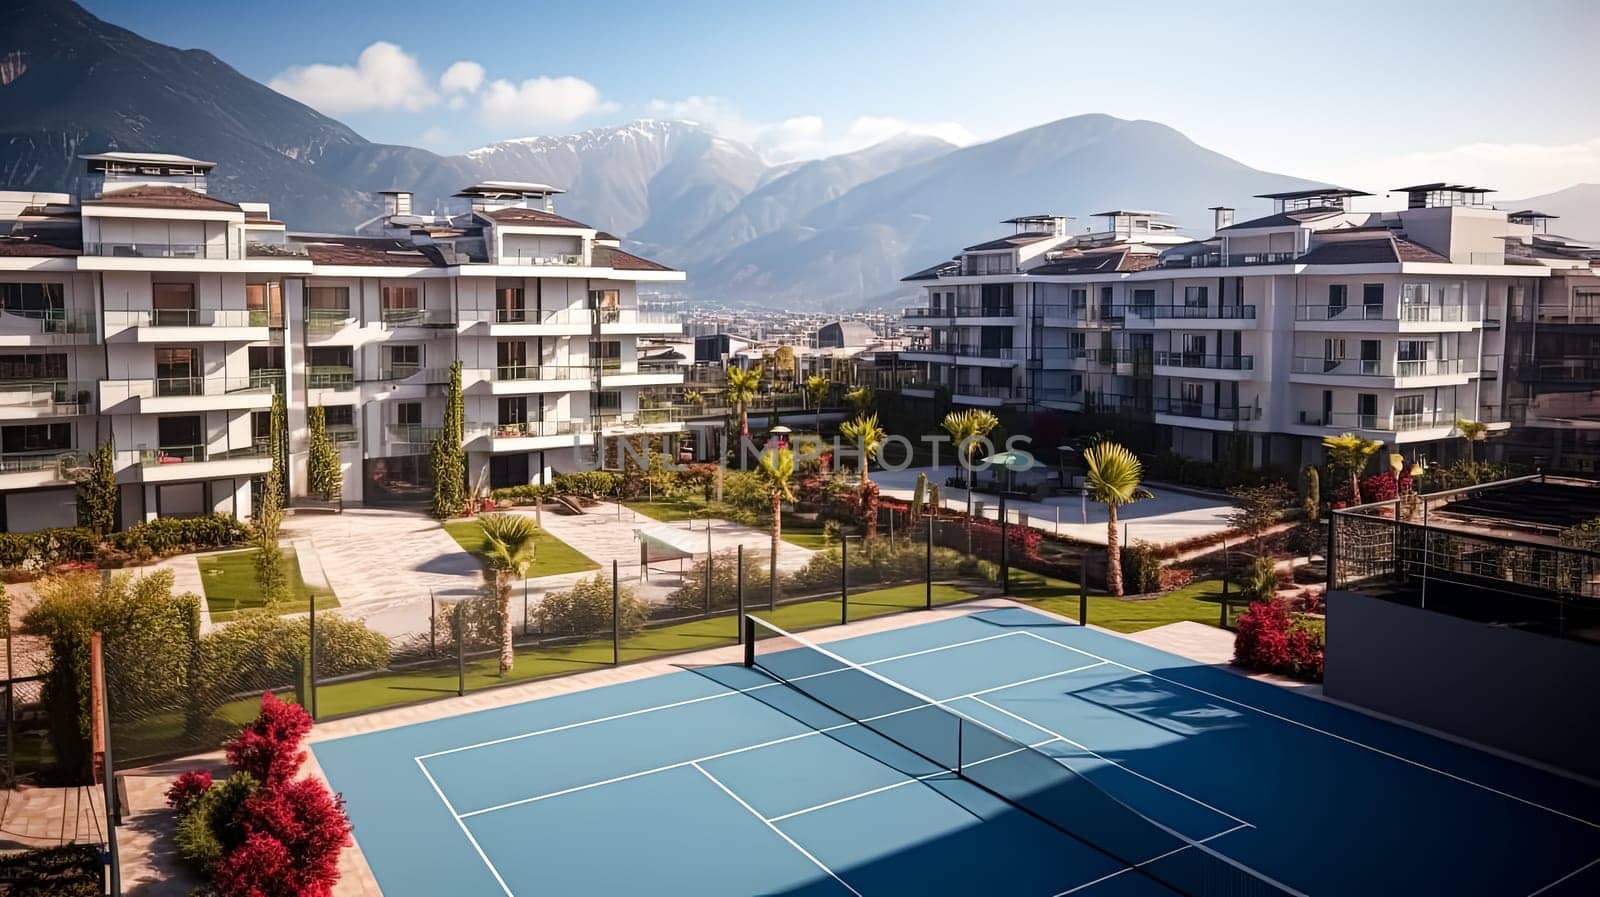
[(1333, 547), (11, 726), (458, 626), (739, 590), (844, 579), (1005, 569), (311, 662), (1083, 589), (927, 597), (616, 615), (525, 626), (710, 572), (113, 812), (433, 625)]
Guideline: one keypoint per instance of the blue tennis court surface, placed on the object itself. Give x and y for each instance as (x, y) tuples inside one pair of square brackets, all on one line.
[(723, 781)]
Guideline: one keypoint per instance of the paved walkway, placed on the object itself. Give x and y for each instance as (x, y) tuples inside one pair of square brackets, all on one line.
[(1171, 516)]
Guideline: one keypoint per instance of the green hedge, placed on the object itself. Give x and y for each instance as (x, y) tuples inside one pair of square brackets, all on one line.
[(585, 609), (46, 548), (174, 535), (690, 597), (590, 484)]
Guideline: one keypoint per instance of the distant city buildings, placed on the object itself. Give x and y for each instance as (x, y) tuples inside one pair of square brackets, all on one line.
[(1275, 332)]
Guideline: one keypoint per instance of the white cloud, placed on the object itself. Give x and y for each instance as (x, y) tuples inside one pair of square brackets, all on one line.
[(464, 76), (540, 101), (804, 136), (1516, 170), (384, 77)]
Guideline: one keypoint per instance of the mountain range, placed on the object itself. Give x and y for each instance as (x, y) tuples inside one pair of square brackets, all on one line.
[(837, 231)]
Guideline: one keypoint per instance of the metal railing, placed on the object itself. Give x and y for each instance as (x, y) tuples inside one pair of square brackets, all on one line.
[(64, 462), (411, 434), (537, 428), (1218, 260), (968, 351), (258, 382), (1202, 361), (1440, 313), (970, 390), (48, 397), (418, 317), (414, 372), (1339, 312), (343, 434), (1180, 407), (1380, 423), (543, 372), (1194, 312), (193, 454), (331, 377), (327, 320), (161, 250), (1373, 367), (639, 418), (529, 257)]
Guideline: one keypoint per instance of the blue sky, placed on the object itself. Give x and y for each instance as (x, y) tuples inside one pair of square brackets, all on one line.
[(1355, 91)]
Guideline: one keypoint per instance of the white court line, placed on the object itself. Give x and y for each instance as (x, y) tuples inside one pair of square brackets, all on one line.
[(1578, 871), (702, 698), (1334, 735), (470, 839), (901, 784), (1090, 884), (780, 833), (1188, 797), (732, 751)]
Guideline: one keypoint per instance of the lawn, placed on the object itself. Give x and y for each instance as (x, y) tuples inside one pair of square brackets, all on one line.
[(231, 589), (550, 555), (797, 531), (1199, 601)]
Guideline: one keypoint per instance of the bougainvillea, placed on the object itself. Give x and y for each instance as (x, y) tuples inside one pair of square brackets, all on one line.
[(1270, 639), (294, 834), (187, 788), (269, 748)]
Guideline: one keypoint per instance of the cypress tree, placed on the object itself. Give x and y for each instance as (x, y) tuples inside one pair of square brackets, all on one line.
[(278, 445), (447, 455), (97, 493), (323, 473)]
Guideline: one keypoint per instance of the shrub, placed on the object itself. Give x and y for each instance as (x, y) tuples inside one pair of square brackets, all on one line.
[(1306, 641), (1381, 486), (293, 837), (588, 484), (585, 609), (210, 828), (187, 788), (38, 551), (1260, 581), (690, 597), (71, 870), (1270, 639), (526, 494), (1141, 568), (268, 649), (174, 535), (879, 560), (269, 748)]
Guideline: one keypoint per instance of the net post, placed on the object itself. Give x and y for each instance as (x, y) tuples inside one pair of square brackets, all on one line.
[(616, 615), (844, 579), (739, 589), (747, 625), (961, 730)]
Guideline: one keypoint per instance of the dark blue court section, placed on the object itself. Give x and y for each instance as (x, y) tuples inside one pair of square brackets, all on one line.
[(719, 781)]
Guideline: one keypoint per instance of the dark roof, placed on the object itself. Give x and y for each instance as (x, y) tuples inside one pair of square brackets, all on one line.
[(1530, 214), (603, 235), (160, 197), (1100, 261), (1382, 250), (1453, 188), (1286, 219), (1317, 191), (934, 272), (1026, 219), (625, 261), (1011, 242), (372, 251), (529, 218), (14, 248), (1416, 252)]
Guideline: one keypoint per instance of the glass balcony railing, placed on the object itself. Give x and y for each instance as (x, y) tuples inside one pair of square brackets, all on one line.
[(258, 382), (49, 320), (330, 377), (537, 428), (635, 316), (48, 397), (1372, 312), (162, 250), (411, 434), (1180, 407), (193, 454), (1194, 312), (642, 417), (188, 317), (1202, 361), (543, 372), (418, 317), (63, 463), (1373, 367), (415, 373), (343, 434), (327, 320), (1397, 422)]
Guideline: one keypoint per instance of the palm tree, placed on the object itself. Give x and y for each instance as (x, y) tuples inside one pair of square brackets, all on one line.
[(776, 469), (865, 434), (817, 389), (860, 398), (1113, 480), (1350, 453), (508, 549), (1474, 432), (743, 383), (966, 429)]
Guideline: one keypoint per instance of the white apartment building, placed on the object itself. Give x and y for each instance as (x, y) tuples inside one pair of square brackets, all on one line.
[(153, 314), (1264, 337)]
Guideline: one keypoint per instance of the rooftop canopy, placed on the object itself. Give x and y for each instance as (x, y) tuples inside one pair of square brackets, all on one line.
[(508, 189)]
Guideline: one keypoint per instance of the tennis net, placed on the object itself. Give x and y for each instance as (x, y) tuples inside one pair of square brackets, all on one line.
[(1021, 776)]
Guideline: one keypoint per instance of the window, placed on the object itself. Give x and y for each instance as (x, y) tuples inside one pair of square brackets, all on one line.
[(1367, 411), (1105, 302), (1075, 344), (340, 415), (260, 425), (178, 371), (1194, 344), (1372, 299), (1193, 396), (512, 357), (1408, 409), (35, 438), (1370, 349), (1412, 349), (1074, 383), (408, 413), (265, 304), (1080, 300), (403, 361), (179, 432), (605, 354), (400, 303), (1338, 298), (608, 401), (607, 305), (33, 367), (32, 299), (508, 304), (512, 410), (328, 299), (1144, 298), (1332, 354), (1194, 297), (172, 304)]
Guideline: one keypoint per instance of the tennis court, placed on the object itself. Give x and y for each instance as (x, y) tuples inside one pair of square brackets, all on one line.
[(1001, 752)]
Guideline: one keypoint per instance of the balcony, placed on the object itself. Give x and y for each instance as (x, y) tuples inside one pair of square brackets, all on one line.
[(943, 313), (1231, 260), (986, 396), (1173, 406), (631, 320), (1194, 312), (945, 352), (535, 435), (665, 419), (164, 395), (323, 321), (343, 434), (193, 462), (416, 437), (1562, 369), (50, 467), (27, 399), (1401, 422), (1081, 315), (331, 376), (1199, 361), (418, 317), (413, 374), (1312, 367), (643, 373), (45, 327), (541, 259), (191, 324), (513, 379), (162, 250)]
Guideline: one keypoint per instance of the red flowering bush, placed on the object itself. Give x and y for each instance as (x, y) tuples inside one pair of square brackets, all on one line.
[(187, 788), (263, 832), (269, 748), (1270, 639), (1381, 486)]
